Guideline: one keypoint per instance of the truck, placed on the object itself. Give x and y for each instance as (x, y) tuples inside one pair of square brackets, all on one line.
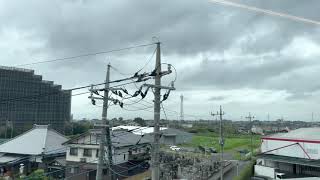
[(264, 172), (265, 178), (268, 172)]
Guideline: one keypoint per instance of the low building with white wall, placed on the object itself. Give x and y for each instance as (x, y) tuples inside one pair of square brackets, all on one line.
[(296, 153)]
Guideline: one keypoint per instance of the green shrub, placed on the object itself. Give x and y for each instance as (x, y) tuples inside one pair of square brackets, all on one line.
[(38, 174)]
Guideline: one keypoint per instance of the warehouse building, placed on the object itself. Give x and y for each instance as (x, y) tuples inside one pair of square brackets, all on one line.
[(26, 99), (293, 154)]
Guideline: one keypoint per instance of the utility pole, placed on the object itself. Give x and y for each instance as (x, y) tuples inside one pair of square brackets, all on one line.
[(221, 140), (157, 94), (5, 134), (251, 140), (157, 103), (181, 108), (105, 139)]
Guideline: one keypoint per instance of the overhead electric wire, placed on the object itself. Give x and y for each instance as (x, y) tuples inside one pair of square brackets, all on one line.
[(175, 112), (124, 132), (144, 66), (3, 101), (265, 11), (119, 173), (85, 55), (164, 111), (138, 109), (149, 60), (79, 173), (137, 145)]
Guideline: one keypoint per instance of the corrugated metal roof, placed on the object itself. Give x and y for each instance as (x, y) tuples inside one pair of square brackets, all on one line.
[(35, 141), (122, 138), (119, 138), (138, 130), (302, 133)]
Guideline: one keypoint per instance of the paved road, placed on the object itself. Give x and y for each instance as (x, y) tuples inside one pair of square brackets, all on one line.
[(233, 172)]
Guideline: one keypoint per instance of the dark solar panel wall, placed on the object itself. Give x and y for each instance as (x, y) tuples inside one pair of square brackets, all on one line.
[(26, 99)]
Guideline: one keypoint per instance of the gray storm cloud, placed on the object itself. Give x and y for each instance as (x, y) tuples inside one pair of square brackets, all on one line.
[(187, 28)]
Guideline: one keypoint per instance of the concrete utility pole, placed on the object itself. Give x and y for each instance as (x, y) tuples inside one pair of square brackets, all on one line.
[(105, 134), (251, 138), (221, 140), (157, 103), (157, 94), (181, 108)]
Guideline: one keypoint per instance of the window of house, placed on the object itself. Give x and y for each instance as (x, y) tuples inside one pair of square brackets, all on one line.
[(73, 151), (97, 153), (124, 157), (74, 170), (87, 152)]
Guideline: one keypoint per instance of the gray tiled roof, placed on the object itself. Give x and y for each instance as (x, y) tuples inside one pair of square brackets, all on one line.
[(35, 141), (124, 138)]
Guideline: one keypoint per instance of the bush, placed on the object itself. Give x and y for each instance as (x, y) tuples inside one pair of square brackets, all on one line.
[(38, 174), (246, 173)]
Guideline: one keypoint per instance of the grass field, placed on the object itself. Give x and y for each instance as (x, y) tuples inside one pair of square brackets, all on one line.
[(231, 143)]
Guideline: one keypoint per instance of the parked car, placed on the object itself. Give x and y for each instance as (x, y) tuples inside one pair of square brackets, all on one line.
[(175, 148), (258, 178), (213, 150)]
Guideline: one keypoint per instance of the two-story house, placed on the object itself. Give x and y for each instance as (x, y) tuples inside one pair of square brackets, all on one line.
[(130, 153)]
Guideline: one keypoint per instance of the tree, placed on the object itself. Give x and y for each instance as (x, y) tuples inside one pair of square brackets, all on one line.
[(37, 175), (140, 121), (78, 127), (120, 119)]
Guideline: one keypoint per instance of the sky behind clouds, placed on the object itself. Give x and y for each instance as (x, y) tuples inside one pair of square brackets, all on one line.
[(245, 61)]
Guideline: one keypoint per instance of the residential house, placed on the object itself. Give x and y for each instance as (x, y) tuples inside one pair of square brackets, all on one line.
[(37, 148), (129, 151)]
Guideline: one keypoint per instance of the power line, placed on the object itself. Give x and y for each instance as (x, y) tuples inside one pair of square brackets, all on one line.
[(84, 55), (120, 173), (137, 145), (54, 93), (266, 11), (144, 66), (165, 114)]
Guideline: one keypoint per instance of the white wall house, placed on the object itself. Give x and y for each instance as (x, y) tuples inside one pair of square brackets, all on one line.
[(126, 148)]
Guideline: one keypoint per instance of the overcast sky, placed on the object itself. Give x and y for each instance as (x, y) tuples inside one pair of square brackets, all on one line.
[(244, 61)]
